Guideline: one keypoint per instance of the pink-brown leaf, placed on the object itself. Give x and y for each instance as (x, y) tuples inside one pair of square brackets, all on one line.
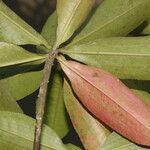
[(110, 101)]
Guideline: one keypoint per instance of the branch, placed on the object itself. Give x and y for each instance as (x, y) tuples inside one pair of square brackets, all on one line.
[(42, 98)]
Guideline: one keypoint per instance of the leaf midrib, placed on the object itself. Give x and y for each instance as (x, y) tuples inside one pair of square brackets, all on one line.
[(69, 21), (105, 53), (107, 23), (22, 61), (22, 28), (80, 75), (25, 138)]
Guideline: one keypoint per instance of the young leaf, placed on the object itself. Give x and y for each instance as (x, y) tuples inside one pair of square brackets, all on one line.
[(15, 30), (71, 13), (91, 132), (20, 85), (55, 112), (49, 29), (116, 142), (114, 19), (110, 101), (125, 57), (11, 55), (17, 133)]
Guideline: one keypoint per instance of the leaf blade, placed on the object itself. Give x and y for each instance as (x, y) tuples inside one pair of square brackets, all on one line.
[(125, 57), (15, 30), (18, 85), (75, 13), (116, 142), (124, 15), (87, 127), (13, 124), (12, 55), (103, 90), (55, 112)]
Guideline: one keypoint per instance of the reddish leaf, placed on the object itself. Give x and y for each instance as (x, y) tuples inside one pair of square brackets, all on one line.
[(91, 132), (110, 101)]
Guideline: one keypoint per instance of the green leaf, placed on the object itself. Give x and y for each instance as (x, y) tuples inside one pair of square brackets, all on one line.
[(15, 30), (92, 133), (125, 57), (146, 30), (116, 142), (11, 55), (49, 29), (55, 113), (17, 133), (7, 102), (21, 85), (72, 147), (114, 19), (71, 14), (145, 96)]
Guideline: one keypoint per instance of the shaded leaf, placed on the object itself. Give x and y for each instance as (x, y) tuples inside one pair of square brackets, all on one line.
[(17, 133), (55, 112), (116, 142), (11, 55), (21, 85), (7, 102), (49, 29), (110, 101), (125, 57), (114, 19), (71, 14), (92, 133), (144, 95), (146, 31), (15, 30)]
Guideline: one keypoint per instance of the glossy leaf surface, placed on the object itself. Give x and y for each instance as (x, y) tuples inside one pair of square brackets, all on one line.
[(11, 55), (110, 100), (114, 19), (15, 30), (125, 57), (17, 133), (71, 14), (55, 112), (92, 133)]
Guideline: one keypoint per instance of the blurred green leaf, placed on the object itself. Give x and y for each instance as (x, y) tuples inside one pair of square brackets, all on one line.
[(11, 55), (17, 133), (146, 31), (15, 30), (55, 112), (71, 14), (20, 85), (125, 57), (92, 133), (114, 19), (116, 142)]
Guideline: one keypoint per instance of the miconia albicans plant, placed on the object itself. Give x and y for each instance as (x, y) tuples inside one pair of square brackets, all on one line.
[(91, 65)]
